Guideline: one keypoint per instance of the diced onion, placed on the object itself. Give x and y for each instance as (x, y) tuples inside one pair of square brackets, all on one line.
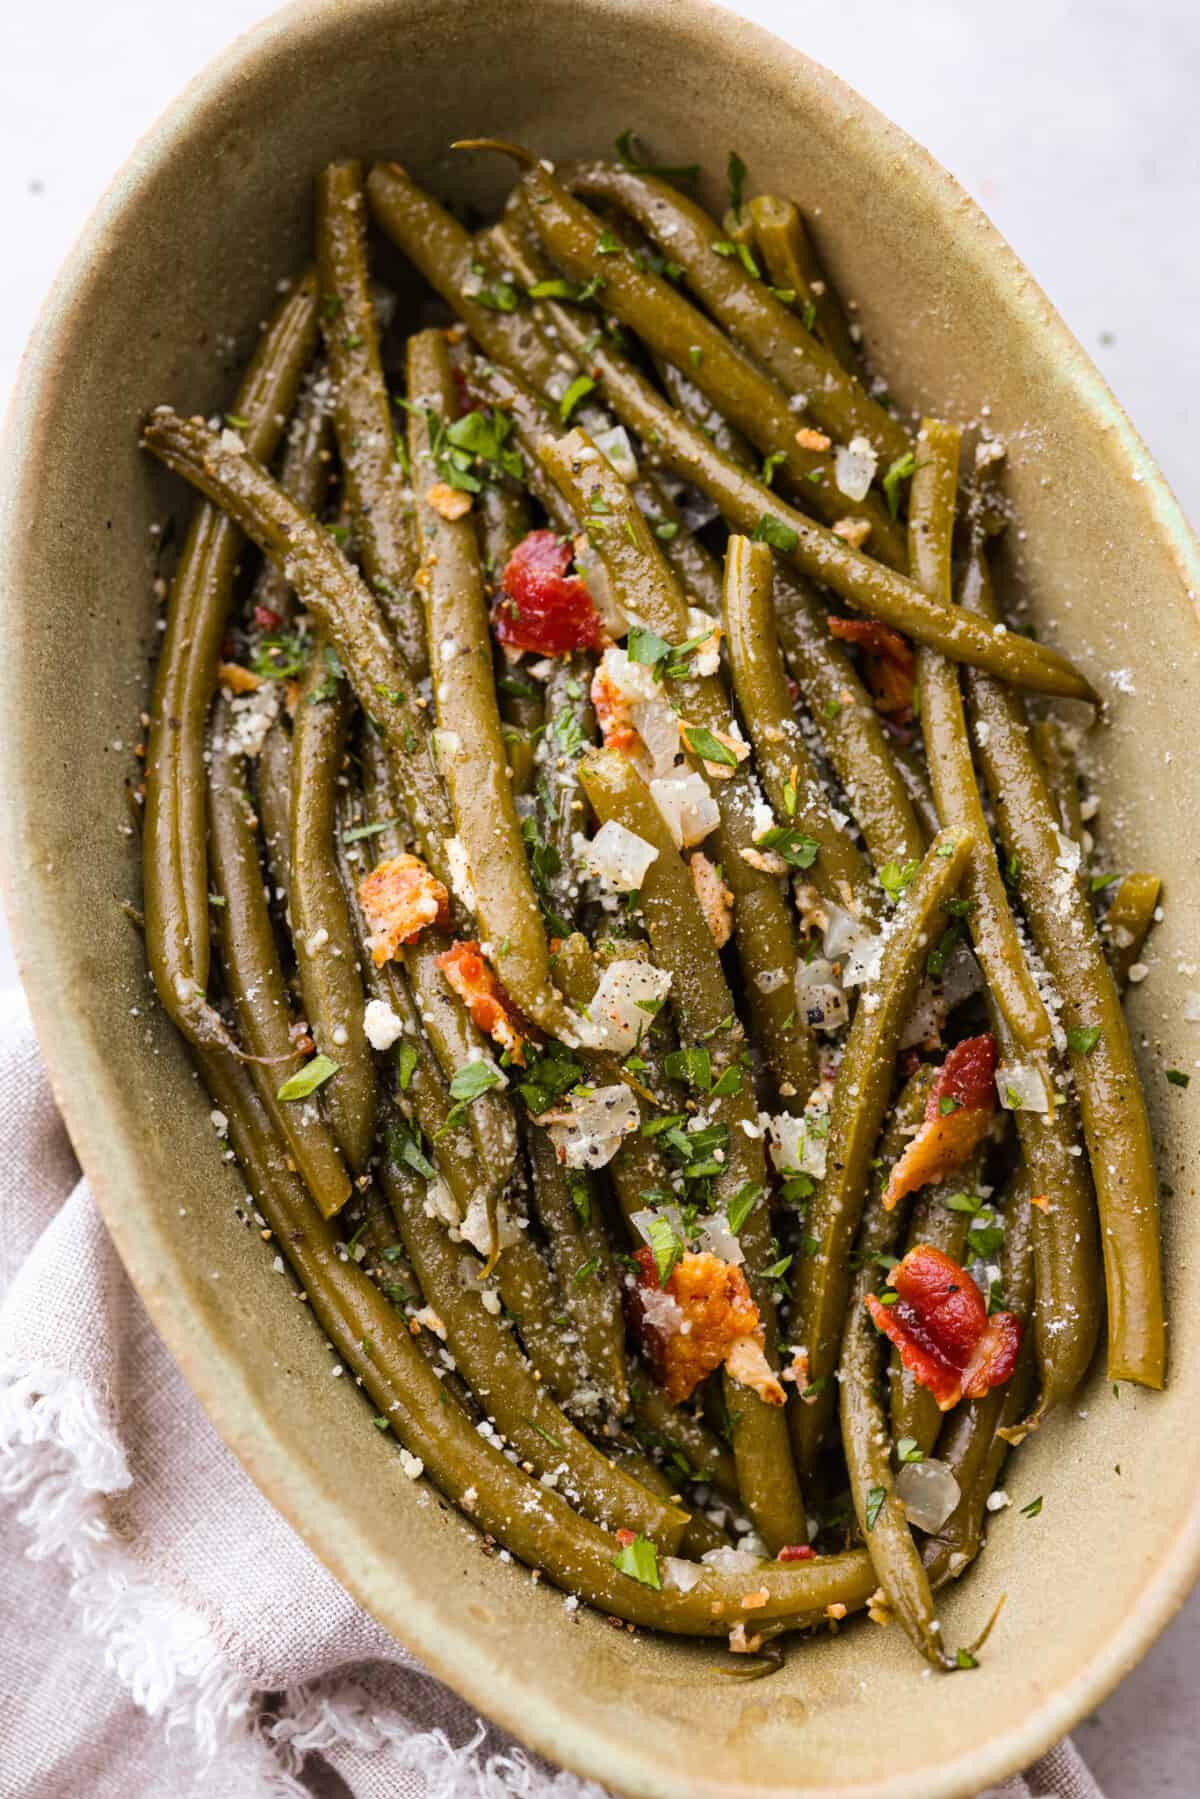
[(618, 857), (597, 1123), (680, 1576), (854, 467), (730, 1560), (595, 578), (615, 447), (623, 1005), (848, 941), (1022, 1088), (715, 1235), (658, 727), (819, 996), (929, 1491), (688, 809)]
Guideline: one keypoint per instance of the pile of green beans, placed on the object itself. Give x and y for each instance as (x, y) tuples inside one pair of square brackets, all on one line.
[(659, 771)]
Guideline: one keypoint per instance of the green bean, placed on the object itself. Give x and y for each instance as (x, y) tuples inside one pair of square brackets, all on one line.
[(792, 264), (914, 775), (766, 328), (643, 585), (912, 1407), (687, 398), (1065, 1234), (442, 251), (860, 1097), (174, 861), (704, 1009), (740, 301), (749, 506), (977, 1434), (1128, 920), (275, 805), (327, 958), (791, 780), (561, 809), (533, 1523), (502, 519), (380, 509), (671, 327), (304, 475), (487, 1354), (1061, 781), (471, 746), (701, 1534), (329, 587), (568, 1206), (696, 568), (252, 970), (853, 737), (882, 1520), (1062, 926), (373, 1241), (683, 1436)]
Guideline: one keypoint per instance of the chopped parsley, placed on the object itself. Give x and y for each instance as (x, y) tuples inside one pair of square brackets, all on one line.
[(708, 748), (1033, 1508), (797, 849), (306, 1080), (1083, 1039), (372, 830), (908, 1450), (578, 390), (639, 1560), (742, 1204), (773, 531), (875, 1499), (665, 1244), (902, 469), (406, 1065), (1178, 1078)]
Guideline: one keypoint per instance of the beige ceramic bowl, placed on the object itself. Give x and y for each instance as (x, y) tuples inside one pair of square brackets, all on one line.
[(178, 263)]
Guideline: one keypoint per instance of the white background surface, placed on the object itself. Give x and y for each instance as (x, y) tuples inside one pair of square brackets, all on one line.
[(1076, 125)]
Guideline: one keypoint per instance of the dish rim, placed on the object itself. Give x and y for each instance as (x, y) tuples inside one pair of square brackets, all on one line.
[(213, 1369)]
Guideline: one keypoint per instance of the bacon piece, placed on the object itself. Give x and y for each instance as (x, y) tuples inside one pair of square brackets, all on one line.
[(888, 663), (797, 1552), (957, 1114), (266, 618), (716, 900), (941, 1328), (543, 609), (238, 679), (702, 1317), (476, 985), (448, 502), (399, 898), (614, 714)]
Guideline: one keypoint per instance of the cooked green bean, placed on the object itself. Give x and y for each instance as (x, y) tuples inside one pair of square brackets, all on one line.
[(684, 1437), (1128, 920), (791, 780), (860, 1096), (252, 970), (704, 1009), (672, 327), (644, 586), (1067, 1255), (767, 329), (1061, 780), (380, 508), (471, 743), (173, 841), (485, 1350), (791, 264), (1110, 1097), (882, 1520), (327, 586), (531, 1521), (502, 519), (327, 955), (275, 805), (304, 474), (568, 1206)]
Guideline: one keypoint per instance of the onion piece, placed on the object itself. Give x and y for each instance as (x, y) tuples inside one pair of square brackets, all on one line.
[(929, 1491), (617, 857)]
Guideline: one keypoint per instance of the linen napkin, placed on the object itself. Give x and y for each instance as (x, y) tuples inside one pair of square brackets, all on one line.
[(162, 1629)]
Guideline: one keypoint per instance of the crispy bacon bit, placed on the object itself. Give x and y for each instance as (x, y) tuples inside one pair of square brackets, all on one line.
[(888, 663), (797, 1552), (702, 1317), (543, 609), (399, 898), (941, 1327), (238, 679), (808, 439), (448, 502), (625, 1537), (748, 1365), (476, 985), (957, 1114), (716, 901), (1041, 1201), (613, 714), (754, 1602), (266, 618), (854, 531)]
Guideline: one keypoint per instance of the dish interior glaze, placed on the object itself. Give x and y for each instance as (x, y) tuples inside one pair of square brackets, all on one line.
[(161, 300)]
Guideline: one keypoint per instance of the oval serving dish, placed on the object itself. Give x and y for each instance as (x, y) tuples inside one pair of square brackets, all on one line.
[(160, 297)]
